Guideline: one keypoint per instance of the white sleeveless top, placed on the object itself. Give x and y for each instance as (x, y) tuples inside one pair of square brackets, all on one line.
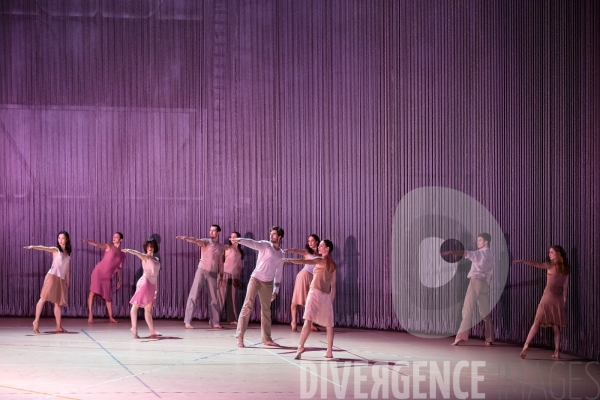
[(151, 266), (308, 267), (60, 263)]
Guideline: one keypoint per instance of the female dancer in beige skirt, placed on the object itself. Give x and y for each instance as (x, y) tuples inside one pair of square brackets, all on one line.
[(319, 303), (56, 283), (551, 310), (304, 277)]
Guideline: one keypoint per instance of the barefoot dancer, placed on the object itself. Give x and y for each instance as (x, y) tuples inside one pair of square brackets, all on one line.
[(146, 287), (304, 278), (319, 303), (478, 292), (234, 255), (111, 264), (264, 281), (551, 310), (209, 271), (56, 283)]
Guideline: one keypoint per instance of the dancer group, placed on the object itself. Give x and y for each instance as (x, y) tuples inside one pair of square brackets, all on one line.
[(220, 267)]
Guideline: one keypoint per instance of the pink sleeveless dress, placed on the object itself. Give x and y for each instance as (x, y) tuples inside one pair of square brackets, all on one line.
[(551, 310), (103, 272), (146, 285)]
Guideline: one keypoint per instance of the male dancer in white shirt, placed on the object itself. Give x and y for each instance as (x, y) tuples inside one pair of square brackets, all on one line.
[(211, 265), (478, 292), (264, 281)]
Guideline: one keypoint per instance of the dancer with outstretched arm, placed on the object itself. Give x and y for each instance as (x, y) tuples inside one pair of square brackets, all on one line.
[(56, 283), (551, 310), (264, 282), (303, 278), (110, 265), (319, 303), (146, 287), (234, 255)]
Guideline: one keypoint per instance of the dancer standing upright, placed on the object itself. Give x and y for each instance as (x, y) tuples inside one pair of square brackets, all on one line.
[(146, 287), (319, 303), (551, 310), (210, 271), (304, 277), (478, 292), (56, 283), (234, 255), (264, 281), (111, 264)]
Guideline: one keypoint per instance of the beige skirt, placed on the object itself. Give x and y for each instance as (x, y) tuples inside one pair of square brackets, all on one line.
[(54, 290), (319, 308), (301, 287)]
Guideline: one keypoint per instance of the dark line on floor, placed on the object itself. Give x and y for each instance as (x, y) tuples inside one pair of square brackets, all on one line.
[(121, 364)]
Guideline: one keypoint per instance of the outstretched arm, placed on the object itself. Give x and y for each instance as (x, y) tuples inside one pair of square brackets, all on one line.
[(533, 264), (461, 253), (140, 255), (42, 248), (199, 242), (310, 261), (301, 252), (102, 246), (253, 244)]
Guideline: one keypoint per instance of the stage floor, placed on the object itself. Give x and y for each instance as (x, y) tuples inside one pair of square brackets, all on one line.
[(103, 361)]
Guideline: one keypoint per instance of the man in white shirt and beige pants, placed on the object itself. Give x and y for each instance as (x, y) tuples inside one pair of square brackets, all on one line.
[(264, 281), (478, 292)]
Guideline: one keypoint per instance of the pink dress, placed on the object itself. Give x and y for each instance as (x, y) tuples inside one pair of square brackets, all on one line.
[(104, 270), (551, 310), (146, 285)]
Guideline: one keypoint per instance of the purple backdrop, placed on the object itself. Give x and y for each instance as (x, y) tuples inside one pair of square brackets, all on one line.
[(166, 116)]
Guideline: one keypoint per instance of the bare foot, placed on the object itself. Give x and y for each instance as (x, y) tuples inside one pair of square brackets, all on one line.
[(271, 343), (155, 334), (233, 323), (60, 329), (524, 351), (556, 355), (299, 353), (90, 320), (489, 343), (217, 326), (241, 343), (456, 342), (294, 326), (188, 326), (328, 355), (36, 326), (114, 321), (314, 328), (134, 333)]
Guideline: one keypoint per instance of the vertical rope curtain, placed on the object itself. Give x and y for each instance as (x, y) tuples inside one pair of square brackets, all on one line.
[(165, 117)]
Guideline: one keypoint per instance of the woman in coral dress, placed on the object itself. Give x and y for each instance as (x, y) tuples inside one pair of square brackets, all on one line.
[(234, 256), (56, 283), (304, 278), (146, 287), (111, 264), (551, 310)]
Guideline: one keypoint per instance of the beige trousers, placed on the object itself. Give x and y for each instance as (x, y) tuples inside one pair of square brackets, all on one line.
[(264, 291), (478, 295)]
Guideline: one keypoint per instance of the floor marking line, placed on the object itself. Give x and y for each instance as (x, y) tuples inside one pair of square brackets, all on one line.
[(33, 391), (121, 364)]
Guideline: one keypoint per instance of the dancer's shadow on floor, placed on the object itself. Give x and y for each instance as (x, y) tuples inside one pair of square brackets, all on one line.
[(52, 333), (157, 338)]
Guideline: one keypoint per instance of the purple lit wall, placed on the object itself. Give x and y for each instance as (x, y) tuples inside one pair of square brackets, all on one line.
[(164, 117)]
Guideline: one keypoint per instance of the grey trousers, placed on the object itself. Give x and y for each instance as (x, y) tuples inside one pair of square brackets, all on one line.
[(264, 291), (200, 278), (478, 295)]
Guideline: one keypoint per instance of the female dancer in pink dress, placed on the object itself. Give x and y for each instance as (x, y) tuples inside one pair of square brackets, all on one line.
[(56, 283), (551, 310), (304, 278), (146, 287), (111, 264), (234, 255), (319, 303)]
